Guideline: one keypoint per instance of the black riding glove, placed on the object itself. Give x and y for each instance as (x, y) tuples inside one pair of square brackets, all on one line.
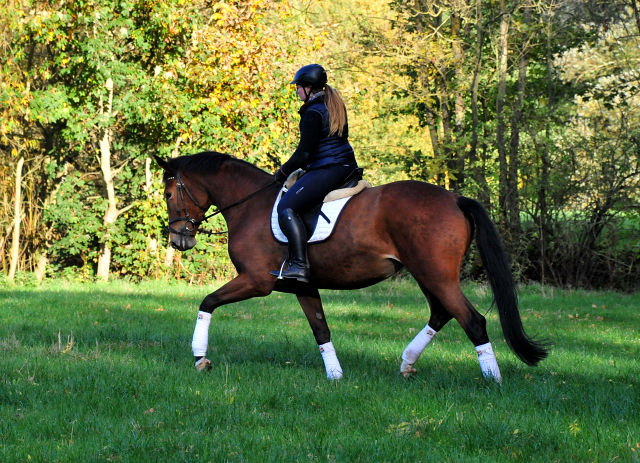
[(280, 176)]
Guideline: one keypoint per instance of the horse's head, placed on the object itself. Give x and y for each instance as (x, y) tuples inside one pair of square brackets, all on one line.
[(186, 206)]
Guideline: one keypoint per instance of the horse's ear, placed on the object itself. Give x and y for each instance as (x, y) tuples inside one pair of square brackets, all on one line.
[(162, 163)]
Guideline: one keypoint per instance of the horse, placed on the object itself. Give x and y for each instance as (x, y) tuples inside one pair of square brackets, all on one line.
[(406, 224)]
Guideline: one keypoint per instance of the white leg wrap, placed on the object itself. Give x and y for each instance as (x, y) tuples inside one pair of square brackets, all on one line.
[(413, 351), (201, 334), (331, 363), (488, 363)]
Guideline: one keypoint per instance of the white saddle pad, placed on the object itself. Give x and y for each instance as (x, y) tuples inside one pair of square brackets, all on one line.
[(323, 230)]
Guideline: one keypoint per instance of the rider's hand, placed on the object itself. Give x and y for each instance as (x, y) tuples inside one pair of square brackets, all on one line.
[(279, 176)]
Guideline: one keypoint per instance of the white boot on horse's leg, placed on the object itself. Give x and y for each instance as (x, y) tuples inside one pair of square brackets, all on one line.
[(200, 341), (488, 363), (413, 351), (331, 363)]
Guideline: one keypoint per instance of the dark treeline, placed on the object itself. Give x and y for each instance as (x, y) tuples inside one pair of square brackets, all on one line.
[(529, 106)]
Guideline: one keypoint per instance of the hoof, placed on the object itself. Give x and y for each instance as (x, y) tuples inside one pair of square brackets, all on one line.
[(490, 377), (204, 364), (407, 370), (334, 375)]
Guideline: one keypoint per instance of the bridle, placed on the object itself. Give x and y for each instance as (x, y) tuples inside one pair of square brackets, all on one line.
[(182, 206)]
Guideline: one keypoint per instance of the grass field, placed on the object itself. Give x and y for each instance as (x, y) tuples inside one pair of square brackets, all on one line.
[(103, 372)]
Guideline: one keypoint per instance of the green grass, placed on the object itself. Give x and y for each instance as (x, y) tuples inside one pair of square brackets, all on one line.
[(103, 372)]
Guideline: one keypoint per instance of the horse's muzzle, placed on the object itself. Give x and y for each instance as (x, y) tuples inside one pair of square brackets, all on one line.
[(182, 242)]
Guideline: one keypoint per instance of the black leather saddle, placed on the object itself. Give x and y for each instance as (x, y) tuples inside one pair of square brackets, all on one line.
[(311, 217)]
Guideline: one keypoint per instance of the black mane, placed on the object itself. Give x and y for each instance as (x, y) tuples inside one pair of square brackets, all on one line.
[(205, 162)]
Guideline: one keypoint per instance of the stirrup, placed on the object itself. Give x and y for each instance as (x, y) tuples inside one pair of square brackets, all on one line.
[(277, 273), (303, 278), (297, 272)]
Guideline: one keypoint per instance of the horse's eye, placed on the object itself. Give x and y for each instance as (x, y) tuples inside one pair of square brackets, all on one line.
[(168, 196)]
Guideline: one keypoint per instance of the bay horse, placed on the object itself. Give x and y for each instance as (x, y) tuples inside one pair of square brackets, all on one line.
[(419, 226)]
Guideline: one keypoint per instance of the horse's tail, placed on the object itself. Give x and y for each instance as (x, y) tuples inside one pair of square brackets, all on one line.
[(497, 268)]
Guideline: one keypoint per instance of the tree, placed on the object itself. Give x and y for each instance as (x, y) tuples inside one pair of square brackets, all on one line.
[(101, 85)]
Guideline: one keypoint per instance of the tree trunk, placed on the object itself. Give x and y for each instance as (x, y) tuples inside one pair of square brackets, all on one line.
[(152, 245), (424, 83), (458, 155), (148, 178), (433, 133), (444, 97), (513, 196), (3, 243), (476, 171), (41, 267), (636, 14), (15, 243), (485, 194), (168, 257), (112, 212), (500, 128), (544, 161)]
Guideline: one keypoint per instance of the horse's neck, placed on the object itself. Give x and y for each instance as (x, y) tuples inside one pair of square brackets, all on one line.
[(233, 182)]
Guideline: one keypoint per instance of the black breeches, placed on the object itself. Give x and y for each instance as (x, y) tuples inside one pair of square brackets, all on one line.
[(311, 189)]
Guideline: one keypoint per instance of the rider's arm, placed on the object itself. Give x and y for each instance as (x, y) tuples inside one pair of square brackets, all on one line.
[(310, 134)]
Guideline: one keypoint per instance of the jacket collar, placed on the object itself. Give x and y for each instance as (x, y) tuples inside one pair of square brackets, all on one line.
[(309, 103)]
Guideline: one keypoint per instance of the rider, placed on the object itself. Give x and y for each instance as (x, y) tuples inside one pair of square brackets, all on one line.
[(323, 152)]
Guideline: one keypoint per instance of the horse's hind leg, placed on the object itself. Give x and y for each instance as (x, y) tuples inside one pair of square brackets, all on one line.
[(473, 324), (439, 317), (312, 307)]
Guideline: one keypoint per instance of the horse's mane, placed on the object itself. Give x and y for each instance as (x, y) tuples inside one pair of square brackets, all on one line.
[(205, 162)]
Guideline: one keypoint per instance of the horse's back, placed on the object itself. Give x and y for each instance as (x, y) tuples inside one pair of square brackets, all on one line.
[(407, 203), (406, 223)]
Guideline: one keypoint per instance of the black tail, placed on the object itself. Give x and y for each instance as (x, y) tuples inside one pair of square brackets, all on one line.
[(496, 265)]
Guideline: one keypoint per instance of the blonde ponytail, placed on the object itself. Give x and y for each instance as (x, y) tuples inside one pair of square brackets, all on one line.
[(337, 110)]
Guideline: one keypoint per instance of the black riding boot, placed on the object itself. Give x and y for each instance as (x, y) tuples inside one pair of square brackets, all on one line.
[(293, 228)]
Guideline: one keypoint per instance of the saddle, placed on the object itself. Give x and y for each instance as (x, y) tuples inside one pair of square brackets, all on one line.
[(351, 181), (329, 209)]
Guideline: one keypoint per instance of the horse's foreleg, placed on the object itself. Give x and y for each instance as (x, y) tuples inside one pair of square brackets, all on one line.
[(312, 307), (240, 288), (439, 318)]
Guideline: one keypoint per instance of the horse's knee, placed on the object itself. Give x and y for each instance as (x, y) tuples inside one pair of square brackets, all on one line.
[(239, 289)]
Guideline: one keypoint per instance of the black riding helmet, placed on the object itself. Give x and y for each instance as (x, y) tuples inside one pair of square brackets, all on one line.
[(311, 75)]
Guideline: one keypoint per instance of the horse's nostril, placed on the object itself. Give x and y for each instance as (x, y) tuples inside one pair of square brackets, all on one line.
[(174, 245)]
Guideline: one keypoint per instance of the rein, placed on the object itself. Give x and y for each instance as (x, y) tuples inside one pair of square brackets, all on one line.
[(182, 204)]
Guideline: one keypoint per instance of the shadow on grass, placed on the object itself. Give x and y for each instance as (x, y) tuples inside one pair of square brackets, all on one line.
[(142, 319)]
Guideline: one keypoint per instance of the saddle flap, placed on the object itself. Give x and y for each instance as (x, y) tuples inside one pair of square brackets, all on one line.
[(319, 222), (352, 179)]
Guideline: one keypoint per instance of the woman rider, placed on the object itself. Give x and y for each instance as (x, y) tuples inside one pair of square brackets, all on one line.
[(326, 155)]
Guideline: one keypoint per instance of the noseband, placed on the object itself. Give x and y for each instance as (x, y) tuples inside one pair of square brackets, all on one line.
[(182, 205)]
